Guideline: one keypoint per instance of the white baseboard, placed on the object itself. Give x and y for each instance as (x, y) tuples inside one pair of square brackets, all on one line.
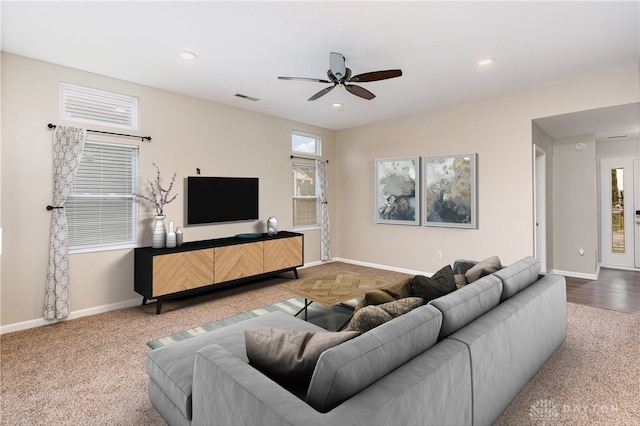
[(9, 328), (576, 274), (379, 266)]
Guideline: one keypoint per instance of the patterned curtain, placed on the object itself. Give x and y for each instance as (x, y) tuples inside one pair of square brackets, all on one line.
[(67, 150), (325, 234)]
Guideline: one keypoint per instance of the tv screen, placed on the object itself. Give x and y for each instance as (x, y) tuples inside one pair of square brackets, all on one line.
[(221, 199)]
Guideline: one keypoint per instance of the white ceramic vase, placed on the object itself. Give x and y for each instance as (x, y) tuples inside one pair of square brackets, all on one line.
[(159, 232), (171, 236)]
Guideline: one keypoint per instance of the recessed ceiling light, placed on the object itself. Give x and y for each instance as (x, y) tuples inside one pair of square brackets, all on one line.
[(336, 105), (485, 62), (188, 56)]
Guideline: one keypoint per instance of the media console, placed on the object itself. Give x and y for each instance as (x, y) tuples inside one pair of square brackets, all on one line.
[(198, 266)]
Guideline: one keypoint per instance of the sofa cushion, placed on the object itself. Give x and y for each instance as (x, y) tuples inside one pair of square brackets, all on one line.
[(468, 303), (346, 369), (290, 355), (518, 276), (374, 315), (440, 283), (485, 267)]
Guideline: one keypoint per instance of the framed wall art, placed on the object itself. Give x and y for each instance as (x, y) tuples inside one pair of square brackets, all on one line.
[(450, 190), (397, 188)]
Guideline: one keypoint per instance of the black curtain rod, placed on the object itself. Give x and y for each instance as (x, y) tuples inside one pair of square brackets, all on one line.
[(304, 158), (142, 138)]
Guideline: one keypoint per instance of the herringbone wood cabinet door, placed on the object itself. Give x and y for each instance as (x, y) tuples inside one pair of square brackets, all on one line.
[(238, 261), (182, 271), (282, 253)]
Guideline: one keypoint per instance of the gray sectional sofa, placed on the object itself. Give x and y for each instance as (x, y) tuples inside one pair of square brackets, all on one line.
[(458, 360)]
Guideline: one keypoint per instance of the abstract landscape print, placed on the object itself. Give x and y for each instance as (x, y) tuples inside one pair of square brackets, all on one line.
[(450, 190), (397, 188)]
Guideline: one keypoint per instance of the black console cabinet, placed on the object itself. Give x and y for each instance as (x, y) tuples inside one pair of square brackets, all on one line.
[(198, 266)]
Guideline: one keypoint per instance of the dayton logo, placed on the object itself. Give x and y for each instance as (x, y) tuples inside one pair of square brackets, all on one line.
[(543, 410)]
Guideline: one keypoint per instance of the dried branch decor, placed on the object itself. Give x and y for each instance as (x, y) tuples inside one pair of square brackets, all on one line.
[(159, 196)]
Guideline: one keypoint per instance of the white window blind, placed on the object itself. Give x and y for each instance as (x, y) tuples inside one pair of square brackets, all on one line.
[(101, 210), (305, 199), (98, 107)]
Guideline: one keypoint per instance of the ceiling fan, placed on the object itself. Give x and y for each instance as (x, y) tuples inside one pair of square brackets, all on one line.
[(340, 75)]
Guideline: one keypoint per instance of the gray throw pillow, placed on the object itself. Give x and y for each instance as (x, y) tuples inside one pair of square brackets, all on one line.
[(485, 267), (440, 283), (290, 355)]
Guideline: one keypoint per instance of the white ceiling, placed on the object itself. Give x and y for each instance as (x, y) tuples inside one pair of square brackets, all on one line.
[(244, 46)]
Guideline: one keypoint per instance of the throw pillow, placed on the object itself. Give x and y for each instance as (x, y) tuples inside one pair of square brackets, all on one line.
[(486, 267), (461, 266), (401, 306), (290, 355), (367, 318), (374, 315), (440, 283), (374, 297), (461, 280), (400, 289)]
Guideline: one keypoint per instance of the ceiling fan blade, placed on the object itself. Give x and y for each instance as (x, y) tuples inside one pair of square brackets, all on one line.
[(375, 76), (316, 80), (359, 91), (321, 93)]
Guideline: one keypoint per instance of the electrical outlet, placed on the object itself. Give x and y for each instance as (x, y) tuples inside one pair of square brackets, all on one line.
[(438, 255)]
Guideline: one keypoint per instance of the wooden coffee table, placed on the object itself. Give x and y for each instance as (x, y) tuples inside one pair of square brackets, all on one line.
[(332, 289)]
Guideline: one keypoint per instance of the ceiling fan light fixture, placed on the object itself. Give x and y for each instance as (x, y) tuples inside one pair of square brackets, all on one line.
[(188, 55), (485, 62), (336, 105)]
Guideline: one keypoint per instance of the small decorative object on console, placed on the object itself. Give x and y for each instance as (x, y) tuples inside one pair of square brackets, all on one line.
[(171, 236), (159, 232), (272, 226), (179, 236)]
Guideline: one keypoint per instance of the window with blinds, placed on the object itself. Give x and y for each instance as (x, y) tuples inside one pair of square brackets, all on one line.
[(305, 199), (88, 105), (101, 210)]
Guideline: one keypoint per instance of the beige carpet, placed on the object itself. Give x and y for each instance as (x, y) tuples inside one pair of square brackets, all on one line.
[(593, 379), (91, 370)]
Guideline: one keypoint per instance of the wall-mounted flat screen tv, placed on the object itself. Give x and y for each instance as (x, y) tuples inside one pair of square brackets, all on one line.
[(221, 199)]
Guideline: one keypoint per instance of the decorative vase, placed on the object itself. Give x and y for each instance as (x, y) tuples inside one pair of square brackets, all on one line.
[(272, 226), (179, 236), (171, 236), (159, 232)]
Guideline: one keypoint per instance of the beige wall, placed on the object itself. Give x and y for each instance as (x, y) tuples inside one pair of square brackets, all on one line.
[(500, 131), (187, 133)]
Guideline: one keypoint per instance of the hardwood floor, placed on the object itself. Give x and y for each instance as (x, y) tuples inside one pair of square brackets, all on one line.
[(614, 289)]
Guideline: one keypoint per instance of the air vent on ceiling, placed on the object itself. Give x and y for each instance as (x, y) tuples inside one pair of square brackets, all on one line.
[(617, 137), (249, 98)]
